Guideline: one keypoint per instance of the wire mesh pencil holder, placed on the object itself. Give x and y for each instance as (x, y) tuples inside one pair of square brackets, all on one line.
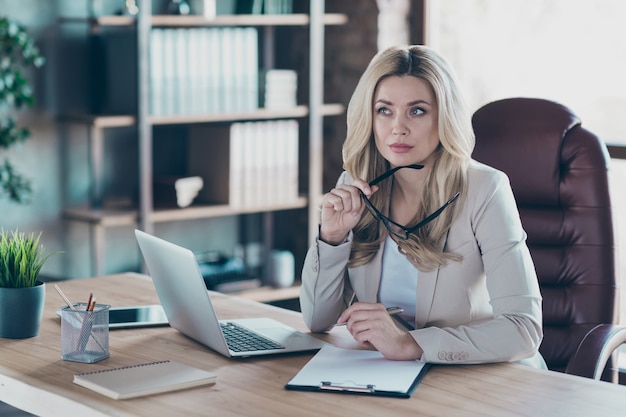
[(85, 334)]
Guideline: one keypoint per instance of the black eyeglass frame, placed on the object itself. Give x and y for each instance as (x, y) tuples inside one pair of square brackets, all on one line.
[(387, 221)]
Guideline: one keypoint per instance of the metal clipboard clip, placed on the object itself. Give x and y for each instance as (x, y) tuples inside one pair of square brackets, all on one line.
[(350, 386)]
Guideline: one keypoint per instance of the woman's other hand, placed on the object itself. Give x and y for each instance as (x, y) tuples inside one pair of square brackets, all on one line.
[(371, 325)]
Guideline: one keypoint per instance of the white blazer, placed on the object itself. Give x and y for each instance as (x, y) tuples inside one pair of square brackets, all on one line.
[(486, 308)]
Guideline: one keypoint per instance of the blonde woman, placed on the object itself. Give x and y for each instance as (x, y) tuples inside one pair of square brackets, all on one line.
[(415, 223)]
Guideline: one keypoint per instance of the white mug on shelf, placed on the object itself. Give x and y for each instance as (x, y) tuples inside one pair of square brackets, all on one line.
[(281, 269)]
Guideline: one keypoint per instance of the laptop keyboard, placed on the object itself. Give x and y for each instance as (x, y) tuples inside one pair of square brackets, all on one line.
[(240, 339)]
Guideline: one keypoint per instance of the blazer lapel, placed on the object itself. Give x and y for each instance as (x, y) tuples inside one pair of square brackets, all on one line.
[(365, 279), (426, 286)]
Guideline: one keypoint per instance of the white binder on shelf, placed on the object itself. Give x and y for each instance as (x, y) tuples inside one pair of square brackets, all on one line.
[(169, 72), (251, 91), (213, 72), (157, 61), (195, 52)]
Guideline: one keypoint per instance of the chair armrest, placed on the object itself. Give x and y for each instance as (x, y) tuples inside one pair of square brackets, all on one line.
[(595, 350)]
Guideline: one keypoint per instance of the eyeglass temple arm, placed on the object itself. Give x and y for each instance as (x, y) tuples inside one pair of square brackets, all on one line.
[(435, 213), (393, 171)]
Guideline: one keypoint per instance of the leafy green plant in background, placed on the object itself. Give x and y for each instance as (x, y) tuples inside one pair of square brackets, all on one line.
[(21, 259), (17, 53)]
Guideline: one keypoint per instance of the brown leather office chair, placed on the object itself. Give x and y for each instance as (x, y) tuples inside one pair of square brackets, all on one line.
[(559, 175)]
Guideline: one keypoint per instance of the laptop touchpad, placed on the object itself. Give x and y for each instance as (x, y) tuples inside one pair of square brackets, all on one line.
[(280, 335)]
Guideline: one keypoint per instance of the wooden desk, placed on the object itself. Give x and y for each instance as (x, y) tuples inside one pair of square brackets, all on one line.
[(34, 378)]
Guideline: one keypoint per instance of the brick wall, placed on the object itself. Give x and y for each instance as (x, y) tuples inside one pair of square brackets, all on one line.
[(348, 50)]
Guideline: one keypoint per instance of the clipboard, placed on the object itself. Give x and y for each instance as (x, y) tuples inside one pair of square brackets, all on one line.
[(365, 372)]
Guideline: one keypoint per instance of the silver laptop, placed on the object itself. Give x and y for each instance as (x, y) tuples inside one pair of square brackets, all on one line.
[(185, 300)]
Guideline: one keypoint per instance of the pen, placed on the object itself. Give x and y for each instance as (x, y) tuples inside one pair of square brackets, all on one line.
[(392, 311), (352, 299)]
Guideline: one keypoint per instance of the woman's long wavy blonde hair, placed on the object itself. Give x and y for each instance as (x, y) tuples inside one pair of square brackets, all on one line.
[(449, 171)]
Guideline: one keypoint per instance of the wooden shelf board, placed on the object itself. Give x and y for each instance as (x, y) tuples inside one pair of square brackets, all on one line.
[(246, 20), (220, 20), (201, 212), (335, 19), (259, 114), (100, 121), (102, 217), (232, 20), (112, 20), (269, 294), (117, 217), (332, 109)]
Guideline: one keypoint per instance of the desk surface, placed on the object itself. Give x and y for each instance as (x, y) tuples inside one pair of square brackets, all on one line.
[(34, 378)]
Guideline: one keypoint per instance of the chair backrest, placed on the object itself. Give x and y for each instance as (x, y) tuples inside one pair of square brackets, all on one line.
[(559, 174)]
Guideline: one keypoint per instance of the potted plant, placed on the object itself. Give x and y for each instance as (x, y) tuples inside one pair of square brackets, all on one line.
[(17, 53), (22, 295)]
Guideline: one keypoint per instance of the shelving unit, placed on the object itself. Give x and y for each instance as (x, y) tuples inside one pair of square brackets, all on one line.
[(221, 20), (145, 216)]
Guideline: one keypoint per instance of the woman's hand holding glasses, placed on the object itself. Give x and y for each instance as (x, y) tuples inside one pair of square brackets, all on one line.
[(341, 210)]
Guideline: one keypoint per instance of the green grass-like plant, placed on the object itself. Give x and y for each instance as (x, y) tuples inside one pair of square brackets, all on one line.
[(21, 259)]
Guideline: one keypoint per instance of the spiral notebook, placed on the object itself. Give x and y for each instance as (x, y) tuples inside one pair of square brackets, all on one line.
[(144, 379)]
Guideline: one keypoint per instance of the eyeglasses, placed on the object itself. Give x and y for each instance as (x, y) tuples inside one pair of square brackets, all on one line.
[(398, 230)]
